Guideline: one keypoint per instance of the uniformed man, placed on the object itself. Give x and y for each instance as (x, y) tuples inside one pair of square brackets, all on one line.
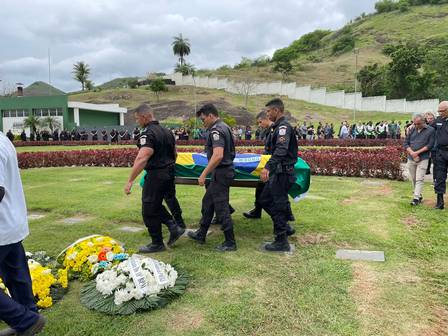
[(441, 159), (10, 136), (220, 150), (136, 134), (278, 174), (104, 134), (266, 124), (113, 135), (94, 134), (157, 155)]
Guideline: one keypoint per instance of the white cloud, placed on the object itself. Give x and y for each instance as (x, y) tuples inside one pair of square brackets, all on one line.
[(127, 38)]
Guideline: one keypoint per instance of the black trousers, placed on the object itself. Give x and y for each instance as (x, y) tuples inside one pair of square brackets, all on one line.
[(259, 190), (440, 171), (158, 184), (173, 204), (19, 310), (216, 198), (274, 199)]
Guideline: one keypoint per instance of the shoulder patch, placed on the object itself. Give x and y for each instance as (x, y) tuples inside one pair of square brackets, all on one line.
[(143, 140), (215, 136), (282, 130)]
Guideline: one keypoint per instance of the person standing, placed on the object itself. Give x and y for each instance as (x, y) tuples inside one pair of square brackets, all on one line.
[(441, 160), (18, 310), (104, 134), (278, 174), (418, 145), (157, 155), (94, 134), (220, 151)]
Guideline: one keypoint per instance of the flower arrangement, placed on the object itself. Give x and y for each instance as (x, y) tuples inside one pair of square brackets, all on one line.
[(48, 286), (138, 283), (91, 255)]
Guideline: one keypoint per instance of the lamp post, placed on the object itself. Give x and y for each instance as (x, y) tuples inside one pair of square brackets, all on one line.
[(356, 52)]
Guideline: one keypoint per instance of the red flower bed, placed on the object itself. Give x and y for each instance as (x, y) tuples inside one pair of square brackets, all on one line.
[(378, 162), (238, 143)]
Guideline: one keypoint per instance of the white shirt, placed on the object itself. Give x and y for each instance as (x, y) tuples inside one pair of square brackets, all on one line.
[(13, 214)]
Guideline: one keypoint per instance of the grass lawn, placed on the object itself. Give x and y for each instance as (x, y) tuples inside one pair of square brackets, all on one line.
[(254, 293)]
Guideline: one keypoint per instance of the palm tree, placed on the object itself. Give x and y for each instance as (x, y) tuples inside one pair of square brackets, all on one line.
[(33, 122), (185, 69), (81, 73), (51, 123), (181, 47)]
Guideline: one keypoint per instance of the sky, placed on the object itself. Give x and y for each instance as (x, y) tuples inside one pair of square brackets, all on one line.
[(119, 38)]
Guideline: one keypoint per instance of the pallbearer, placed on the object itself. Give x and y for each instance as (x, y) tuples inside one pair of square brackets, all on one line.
[(220, 153), (278, 174), (157, 155)]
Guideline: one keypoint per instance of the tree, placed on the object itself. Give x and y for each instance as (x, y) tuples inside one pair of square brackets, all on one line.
[(157, 85), (185, 69), (284, 67), (50, 122), (89, 85), (33, 122), (133, 83), (181, 48), (81, 73), (372, 80), (245, 88)]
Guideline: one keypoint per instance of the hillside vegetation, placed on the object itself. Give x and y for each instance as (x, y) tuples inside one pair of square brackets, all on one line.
[(327, 59)]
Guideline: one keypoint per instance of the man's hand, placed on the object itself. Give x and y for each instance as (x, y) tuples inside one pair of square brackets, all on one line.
[(201, 180), (128, 187), (416, 158), (264, 175)]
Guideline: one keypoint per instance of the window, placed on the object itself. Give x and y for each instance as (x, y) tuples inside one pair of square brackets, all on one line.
[(19, 113), (46, 112)]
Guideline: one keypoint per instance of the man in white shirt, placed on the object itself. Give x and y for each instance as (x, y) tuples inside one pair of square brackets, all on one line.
[(18, 310)]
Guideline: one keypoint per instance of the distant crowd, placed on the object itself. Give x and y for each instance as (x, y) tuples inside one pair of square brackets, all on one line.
[(305, 131)]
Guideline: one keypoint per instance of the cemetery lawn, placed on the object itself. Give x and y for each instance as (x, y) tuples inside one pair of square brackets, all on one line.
[(250, 292)]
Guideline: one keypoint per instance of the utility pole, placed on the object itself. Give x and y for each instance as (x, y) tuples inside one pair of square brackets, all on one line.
[(356, 51)]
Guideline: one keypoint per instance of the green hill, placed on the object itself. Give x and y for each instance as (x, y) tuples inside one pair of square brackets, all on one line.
[(117, 83), (178, 104), (426, 25), (42, 89)]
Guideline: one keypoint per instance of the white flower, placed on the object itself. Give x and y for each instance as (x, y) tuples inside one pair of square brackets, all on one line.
[(99, 239), (46, 271), (93, 259), (110, 256), (28, 254), (90, 244), (72, 256)]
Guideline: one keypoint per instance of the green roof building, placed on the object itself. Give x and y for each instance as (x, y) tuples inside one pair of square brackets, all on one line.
[(14, 110)]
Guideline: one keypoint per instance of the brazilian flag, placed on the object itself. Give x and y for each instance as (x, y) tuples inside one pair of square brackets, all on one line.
[(247, 168)]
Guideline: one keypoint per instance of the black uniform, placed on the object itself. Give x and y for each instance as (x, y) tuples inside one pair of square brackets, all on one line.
[(274, 198), (94, 134), (441, 157), (159, 181), (216, 197), (104, 134)]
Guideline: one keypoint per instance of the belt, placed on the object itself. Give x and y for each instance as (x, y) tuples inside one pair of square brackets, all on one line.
[(284, 168)]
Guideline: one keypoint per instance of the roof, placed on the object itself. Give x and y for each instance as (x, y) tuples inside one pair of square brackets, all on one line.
[(113, 108)]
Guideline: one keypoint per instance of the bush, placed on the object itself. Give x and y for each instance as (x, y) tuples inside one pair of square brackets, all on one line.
[(379, 163), (343, 44)]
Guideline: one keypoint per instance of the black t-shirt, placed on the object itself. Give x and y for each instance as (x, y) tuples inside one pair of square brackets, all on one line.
[(441, 126), (283, 145), (220, 135), (162, 141)]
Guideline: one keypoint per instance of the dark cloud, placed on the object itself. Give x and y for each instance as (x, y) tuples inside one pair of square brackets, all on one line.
[(133, 37)]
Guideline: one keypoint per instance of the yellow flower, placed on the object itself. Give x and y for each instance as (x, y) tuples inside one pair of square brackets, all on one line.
[(45, 303)]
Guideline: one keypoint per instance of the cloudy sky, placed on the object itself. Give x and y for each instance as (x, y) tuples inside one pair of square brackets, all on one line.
[(133, 37)]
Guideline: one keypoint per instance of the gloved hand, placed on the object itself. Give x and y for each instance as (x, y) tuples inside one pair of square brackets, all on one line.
[(2, 193)]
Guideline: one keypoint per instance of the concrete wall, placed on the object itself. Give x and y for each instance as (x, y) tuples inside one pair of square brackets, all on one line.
[(318, 96), (335, 98), (377, 103)]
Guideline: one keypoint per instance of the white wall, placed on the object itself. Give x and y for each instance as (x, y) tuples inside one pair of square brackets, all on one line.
[(335, 98), (319, 95), (377, 103)]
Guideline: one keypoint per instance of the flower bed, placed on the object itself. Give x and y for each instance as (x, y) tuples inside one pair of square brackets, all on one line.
[(238, 143), (366, 162)]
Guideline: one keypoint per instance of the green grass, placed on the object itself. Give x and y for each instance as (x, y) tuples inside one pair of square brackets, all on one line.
[(254, 293)]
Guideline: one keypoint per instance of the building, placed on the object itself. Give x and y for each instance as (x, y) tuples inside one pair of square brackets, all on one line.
[(70, 114)]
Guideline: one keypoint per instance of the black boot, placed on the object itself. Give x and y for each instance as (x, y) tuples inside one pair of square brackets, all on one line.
[(280, 244), (229, 242), (255, 213), (175, 232), (198, 236), (440, 203), (152, 248), (290, 230)]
